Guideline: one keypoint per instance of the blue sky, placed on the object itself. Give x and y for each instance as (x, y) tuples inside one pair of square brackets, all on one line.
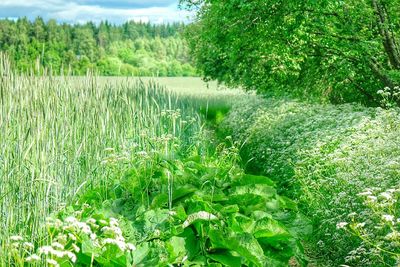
[(80, 11)]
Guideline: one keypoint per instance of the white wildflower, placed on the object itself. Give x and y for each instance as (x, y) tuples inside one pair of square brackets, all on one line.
[(360, 225), (28, 245), (120, 238), (91, 221), (109, 241), (58, 223), (84, 228), (71, 256), (16, 238), (172, 213), (388, 218), (57, 245), (366, 193), (341, 225), (52, 262), (184, 258), (386, 195), (157, 232), (62, 238), (58, 253), (32, 258), (71, 220), (72, 236), (131, 246), (141, 153), (114, 222), (75, 248), (121, 245), (103, 222), (46, 250), (393, 236)]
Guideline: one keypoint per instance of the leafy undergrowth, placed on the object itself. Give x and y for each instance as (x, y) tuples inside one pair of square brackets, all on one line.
[(335, 160), (195, 207)]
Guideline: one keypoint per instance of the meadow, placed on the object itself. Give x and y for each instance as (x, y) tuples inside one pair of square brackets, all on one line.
[(101, 171)]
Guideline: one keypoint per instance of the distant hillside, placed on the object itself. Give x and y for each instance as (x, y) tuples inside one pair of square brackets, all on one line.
[(130, 49)]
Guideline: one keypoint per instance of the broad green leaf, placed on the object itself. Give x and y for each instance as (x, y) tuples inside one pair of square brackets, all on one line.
[(229, 209), (296, 223), (287, 203), (270, 231), (140, 253), (182, 192), (249, 179), (265, 191), (226, 259), (176, 248), (160, 201), (241, 223), (192, 244), (242, 243)]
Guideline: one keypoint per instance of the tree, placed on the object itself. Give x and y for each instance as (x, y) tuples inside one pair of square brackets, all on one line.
[(84, 42), (343, 50)]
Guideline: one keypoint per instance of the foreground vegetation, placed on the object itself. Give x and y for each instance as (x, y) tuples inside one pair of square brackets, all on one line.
[(341, 163), (100, 172)]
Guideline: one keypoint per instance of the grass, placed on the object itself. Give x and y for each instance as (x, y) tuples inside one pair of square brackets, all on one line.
[(54, 132)]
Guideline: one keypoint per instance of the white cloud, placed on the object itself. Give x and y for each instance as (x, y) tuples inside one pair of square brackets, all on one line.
[(74, 12)]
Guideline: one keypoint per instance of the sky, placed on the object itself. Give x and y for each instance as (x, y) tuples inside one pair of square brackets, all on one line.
[(81, 11)]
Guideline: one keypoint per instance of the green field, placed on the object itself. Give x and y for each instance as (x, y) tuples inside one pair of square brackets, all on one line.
[(119, 171)]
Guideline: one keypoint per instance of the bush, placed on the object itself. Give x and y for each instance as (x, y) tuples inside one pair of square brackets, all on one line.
[(324, 156)]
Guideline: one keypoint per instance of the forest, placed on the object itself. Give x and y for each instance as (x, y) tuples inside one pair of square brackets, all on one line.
[(130, 49)]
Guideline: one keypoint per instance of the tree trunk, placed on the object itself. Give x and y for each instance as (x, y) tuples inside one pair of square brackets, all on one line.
[(388, 38)]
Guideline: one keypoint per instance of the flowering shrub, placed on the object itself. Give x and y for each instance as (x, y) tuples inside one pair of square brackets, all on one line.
[(324, 156), (379, 227)]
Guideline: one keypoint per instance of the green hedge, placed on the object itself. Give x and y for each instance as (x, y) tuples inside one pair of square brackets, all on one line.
[(324, 155)]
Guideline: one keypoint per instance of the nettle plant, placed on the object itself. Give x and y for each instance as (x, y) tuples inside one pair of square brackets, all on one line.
[(76, 240), (379, 227)]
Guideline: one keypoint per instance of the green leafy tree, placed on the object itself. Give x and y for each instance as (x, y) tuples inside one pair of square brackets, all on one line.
[(341, 50)]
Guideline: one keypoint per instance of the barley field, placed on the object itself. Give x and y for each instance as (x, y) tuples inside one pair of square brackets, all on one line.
[(57, 135)]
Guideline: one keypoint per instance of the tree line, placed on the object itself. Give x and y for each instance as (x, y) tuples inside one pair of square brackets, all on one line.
[(341, 51), (131, 49)]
